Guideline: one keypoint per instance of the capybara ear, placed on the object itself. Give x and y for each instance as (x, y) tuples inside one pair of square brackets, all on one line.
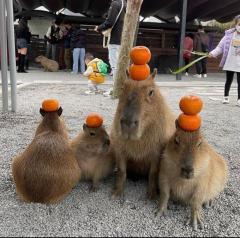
[(176, 124), (59, 111), (85, 127), (42, 112), (154, 73)]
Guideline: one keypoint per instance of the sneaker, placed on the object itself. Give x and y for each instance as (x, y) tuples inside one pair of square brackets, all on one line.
[(197, 75), (238, 102), (186, 73), (225, 100), (204, 75), (108, 93), (89, 92), (73, 72)]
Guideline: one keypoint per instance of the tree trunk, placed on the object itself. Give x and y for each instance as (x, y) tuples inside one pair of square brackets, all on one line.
[(128, 34)]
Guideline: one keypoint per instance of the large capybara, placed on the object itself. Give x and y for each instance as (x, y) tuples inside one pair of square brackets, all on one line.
[(192, 172), (94, 155), (142, 126), (47, 170), (48, 64)]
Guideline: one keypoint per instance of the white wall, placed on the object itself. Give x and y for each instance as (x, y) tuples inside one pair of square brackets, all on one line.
[(39, 26)]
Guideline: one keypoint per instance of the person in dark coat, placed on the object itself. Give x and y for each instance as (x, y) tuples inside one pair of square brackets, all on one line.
[(78, 45), (201, 44), (115, 21), (22, 35)]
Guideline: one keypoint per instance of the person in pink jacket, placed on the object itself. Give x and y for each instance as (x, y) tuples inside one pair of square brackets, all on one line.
[(188, 47), (229, 47)]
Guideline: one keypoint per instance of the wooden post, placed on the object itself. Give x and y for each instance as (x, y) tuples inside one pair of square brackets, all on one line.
[(128, 34)]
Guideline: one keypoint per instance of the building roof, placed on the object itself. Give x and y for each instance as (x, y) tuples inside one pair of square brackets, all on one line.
[(222, 11)]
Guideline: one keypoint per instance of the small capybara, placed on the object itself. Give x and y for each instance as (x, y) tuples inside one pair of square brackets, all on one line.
[(94, 155), (191, 172), (48, 64), (47, 170), (142, 126)]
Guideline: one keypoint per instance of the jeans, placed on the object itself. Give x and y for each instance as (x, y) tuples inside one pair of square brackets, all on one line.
[(113, 53), (51, 51), (229, 79), (201, 66), (78, 54)]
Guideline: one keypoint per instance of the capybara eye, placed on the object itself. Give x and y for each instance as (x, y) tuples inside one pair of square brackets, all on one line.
[(151, 92), (92, 134)]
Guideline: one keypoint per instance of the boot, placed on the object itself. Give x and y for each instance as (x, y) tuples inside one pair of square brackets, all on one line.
[(22, 70), (19, 63)]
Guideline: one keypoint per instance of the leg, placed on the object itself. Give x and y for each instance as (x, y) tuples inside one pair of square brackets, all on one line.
[(229, 79), (54, 50), (196, 216), (199, 67), (67, 58), (186, 62), (113, 51), (76, 53), (82, 62), (48, 51), (164, 197), (121, 177), (238, 82), (152, 179), (204, 66)]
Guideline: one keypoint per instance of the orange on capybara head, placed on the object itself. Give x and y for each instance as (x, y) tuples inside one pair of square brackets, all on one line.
[(140, 55), (189, 122), (139, 72), (50, 105), (94, 120), (191, 105)]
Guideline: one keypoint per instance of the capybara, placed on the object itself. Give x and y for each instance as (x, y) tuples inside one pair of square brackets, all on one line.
[(191, 172), (47, 170), (142, 126), (92, 150), (48, 64)]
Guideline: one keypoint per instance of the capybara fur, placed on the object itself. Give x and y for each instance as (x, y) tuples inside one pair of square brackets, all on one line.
[(48, 64), (93, 152), (191, 172), (47, 170), (142, 126)]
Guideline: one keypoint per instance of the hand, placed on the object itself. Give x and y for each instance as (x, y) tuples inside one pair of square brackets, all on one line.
[(96, 28), (210, 55)]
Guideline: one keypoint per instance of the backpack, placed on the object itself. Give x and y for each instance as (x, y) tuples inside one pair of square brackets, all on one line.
[(102, 67)]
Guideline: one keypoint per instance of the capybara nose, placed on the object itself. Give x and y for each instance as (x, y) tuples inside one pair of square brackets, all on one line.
[(129, 123), (107, 142), (187, 172)]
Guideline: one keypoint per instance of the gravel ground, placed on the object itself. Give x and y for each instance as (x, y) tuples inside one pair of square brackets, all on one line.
[(95, 214)]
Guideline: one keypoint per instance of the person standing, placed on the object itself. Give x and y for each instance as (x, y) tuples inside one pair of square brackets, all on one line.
[(188, 47), (229, 47), (201, 44), (78, 45), (22, 35), (53, 37), (115, 21)]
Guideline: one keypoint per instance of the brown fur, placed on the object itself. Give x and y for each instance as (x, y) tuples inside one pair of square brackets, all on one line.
[(208, 178), (48, 64), (93, 154), (139, 151), (46, 171)]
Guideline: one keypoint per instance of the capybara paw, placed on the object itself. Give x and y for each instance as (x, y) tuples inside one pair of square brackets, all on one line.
[(160, 211), (152, 194), (93, 188), (196, 221), (117, 193)]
